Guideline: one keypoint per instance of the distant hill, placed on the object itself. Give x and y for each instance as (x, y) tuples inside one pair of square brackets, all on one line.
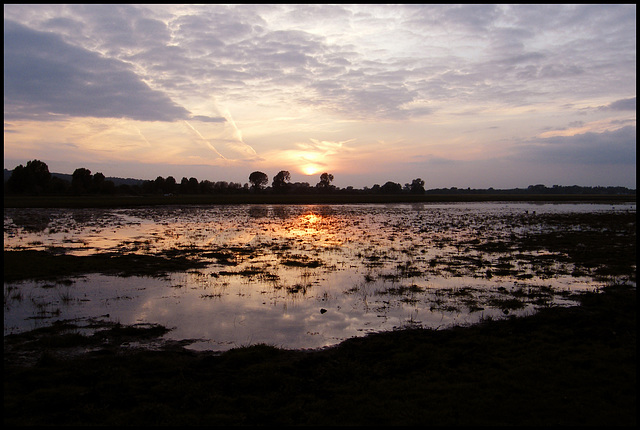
[(67, 177)]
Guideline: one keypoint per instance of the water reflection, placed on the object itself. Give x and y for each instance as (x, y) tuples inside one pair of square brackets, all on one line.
[(298, 276)]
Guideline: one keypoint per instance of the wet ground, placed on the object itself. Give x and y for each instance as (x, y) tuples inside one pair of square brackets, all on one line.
[(306, 276)]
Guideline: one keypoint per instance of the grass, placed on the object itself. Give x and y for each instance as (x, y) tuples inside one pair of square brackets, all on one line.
[(561, 366)]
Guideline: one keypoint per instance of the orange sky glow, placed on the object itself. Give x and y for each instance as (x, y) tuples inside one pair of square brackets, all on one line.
[(474, 96)]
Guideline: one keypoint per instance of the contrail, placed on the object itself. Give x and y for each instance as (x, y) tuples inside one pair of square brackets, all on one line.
[(143, 137), (238, 133), (205, 140)]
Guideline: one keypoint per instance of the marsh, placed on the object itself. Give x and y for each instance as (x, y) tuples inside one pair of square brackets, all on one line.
[(305, 276)]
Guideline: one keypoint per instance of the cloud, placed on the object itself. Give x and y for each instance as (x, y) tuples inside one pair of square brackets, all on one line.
[(622, 105), (405, 73), (617, 147), (46, 78), (204, 118), (406, 68)]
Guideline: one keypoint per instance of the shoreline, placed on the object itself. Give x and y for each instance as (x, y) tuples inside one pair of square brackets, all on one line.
[(334, 198)]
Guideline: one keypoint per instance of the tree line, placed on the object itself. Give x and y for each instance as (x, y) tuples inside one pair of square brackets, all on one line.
[(35, 179)]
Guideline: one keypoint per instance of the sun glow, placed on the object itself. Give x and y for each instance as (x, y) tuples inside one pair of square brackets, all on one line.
[(321, 229), (310, 169)]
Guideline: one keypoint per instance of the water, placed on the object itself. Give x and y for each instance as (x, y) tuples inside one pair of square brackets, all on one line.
[(295, 276)]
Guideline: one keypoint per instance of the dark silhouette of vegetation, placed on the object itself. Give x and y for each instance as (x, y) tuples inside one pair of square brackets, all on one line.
[(325, 182), (281, 181), (35, 179), (391, 188), (81, 181), (258, 180), (417, 186), (32, 179)]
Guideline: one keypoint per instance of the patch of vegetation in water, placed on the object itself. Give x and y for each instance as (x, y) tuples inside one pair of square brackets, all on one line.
[(598, 244), (32, 264)]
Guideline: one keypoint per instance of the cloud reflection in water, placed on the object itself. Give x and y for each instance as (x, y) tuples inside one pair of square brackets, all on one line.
[(290, 276)]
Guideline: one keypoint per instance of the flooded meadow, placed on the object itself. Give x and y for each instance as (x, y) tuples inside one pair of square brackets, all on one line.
[(306, 276)]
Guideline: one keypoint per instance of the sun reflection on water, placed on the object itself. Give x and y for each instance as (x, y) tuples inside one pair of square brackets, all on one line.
[(296, 276), (316, 228)]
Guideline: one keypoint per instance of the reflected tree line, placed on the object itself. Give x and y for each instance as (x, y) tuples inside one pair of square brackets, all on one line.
[(34, 178)]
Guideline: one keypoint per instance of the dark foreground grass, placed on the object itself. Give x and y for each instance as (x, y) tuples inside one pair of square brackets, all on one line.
[(561, 366)]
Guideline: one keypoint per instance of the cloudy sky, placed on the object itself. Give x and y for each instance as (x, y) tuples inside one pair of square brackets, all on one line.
[(458, 95)]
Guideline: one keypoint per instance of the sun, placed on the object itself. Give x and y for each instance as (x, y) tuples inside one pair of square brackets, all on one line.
[(310, 169)]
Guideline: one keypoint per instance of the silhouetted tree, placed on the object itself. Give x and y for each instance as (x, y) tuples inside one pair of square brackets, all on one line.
[(281, 181), (184, 185), (34, 178), (189, 186), (170, 185), (17, 182), (258, 180), (193, 185), (100, 184), (391, 187), (158, 185), (325, 181), (81, 181), (97, 182), (40, 173), (417, 186)]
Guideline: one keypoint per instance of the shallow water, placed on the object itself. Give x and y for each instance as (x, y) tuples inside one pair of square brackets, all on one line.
[(295, 276)]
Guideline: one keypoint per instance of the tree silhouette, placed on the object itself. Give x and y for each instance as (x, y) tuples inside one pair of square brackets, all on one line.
[(391, 187), (34, 178), (81, 181), (170, 185), (281, 181), (258, 180), (325, 181), (158, 185), (189, 186), (417, 186)]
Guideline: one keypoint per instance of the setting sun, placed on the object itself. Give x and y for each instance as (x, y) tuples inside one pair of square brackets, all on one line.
[(311, 169)]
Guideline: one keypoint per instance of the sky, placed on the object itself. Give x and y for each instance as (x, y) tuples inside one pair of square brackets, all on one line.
[(479, 96)]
